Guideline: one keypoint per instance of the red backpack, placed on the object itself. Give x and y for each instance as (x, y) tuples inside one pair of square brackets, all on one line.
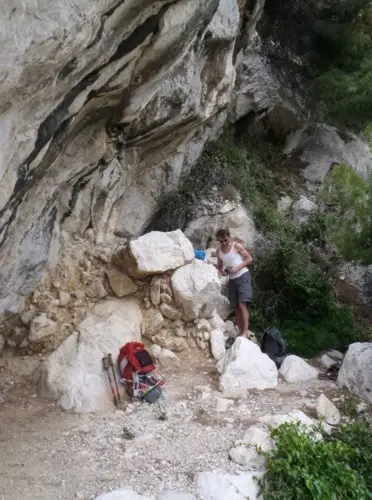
[(136, 368)]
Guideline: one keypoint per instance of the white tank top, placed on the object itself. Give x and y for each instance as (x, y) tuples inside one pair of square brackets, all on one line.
[(232, 259)]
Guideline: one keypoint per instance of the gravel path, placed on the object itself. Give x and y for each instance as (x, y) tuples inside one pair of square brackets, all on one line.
[(47, 454)]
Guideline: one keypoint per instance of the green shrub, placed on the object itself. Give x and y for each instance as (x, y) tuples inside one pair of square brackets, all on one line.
[(349, 220), (307, 338), (303, 467)]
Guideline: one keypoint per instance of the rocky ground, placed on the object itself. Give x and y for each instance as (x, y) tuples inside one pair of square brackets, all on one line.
[(47, 453)]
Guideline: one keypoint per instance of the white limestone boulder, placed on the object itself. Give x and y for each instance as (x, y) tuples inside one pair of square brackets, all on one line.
[(153, 253), (291, 417), (217, 340), (222, 486), (41, 328), (245, 367), (245, 451), (196, 288), (356, 370), (295, 369), (73, 375), (326, 410), (216, 322), (326, 361)]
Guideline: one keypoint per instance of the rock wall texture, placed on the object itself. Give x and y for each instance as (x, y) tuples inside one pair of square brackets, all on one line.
[(103, 107), (106, 105)]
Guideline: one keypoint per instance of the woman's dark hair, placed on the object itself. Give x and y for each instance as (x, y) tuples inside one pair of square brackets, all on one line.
[(223, 233)]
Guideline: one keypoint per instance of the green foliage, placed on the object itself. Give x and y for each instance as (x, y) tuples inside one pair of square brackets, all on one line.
[(333, 43), (292, 292), (307, 338), (367, 132), (303, 467), (349, 221)]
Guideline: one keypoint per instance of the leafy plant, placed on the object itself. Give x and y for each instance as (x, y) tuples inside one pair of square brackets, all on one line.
[(334, 468), (325, 49), (349, 220)]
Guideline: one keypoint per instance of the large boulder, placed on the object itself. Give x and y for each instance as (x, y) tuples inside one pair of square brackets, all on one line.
[(356, 370), (240, 222), (154, 253), (295, 369), (245, 367), (196, 288), (221, 486), (73, 375)]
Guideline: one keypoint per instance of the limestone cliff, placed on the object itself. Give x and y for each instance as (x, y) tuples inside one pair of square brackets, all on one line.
[(103, 107)]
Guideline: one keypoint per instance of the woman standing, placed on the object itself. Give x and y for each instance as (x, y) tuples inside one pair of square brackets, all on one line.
[(233, 260)]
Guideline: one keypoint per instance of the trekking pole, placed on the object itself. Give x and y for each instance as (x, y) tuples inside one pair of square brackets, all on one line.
[(109, 356), (106, 366)]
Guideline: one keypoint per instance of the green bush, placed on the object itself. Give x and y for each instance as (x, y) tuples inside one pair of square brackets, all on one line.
[(349, 220), (293, 293), (303, 467), (334, 330), (332, 42)]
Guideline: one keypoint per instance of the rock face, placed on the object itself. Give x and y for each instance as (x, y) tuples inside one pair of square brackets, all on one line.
[(73, 375), (238, 220), (295, 369), (196, 289), (154, 253), (356, 370), (323, 146), (246, 367), (103, 107)]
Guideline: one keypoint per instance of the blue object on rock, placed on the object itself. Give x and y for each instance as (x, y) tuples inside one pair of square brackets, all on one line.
[(200, 254)]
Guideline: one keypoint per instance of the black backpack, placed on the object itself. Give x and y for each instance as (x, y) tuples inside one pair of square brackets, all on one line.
[(273, 345)]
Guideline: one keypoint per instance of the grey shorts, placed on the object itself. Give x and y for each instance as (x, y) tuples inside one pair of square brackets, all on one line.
[(240, 290)]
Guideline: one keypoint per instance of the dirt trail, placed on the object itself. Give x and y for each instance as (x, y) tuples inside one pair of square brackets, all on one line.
[(47, 454)]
